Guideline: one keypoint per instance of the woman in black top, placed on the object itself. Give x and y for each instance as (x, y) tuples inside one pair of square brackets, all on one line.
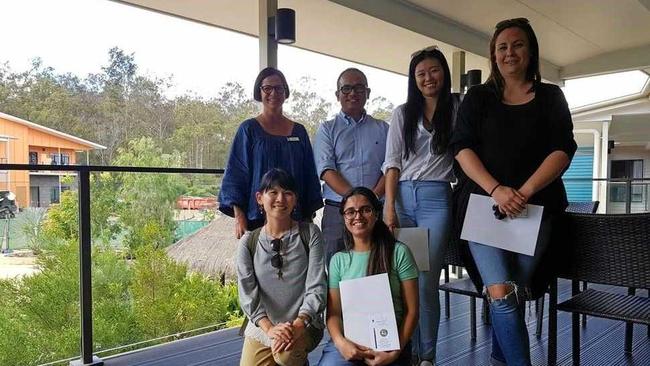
[(513, 140)]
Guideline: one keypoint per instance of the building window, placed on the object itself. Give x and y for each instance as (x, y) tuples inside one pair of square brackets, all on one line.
[(626, 169), (54, 195), (60, 159)]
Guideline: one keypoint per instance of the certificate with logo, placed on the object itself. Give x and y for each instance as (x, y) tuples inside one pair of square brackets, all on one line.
[(368, 313), (517, 235)]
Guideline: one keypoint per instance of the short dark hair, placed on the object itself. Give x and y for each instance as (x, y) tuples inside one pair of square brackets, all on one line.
[(277, 178), (265, 73), (532, 73), (382, 239), (350, 69)]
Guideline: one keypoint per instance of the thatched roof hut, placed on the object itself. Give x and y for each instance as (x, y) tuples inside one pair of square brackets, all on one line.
[(211, 250)]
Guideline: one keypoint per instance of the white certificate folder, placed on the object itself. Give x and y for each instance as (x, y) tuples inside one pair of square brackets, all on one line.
[(417, 239), (368, 313), (516, 235)]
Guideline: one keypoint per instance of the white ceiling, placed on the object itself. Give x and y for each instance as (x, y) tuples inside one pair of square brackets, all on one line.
[(577, 37)]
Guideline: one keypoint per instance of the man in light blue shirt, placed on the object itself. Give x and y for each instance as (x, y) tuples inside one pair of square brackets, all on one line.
[(349, 151)]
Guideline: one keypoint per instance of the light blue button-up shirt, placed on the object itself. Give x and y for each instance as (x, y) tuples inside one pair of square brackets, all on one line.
[(356, 149)]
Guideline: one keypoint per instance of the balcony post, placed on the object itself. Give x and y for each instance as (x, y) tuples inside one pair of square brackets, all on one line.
[(85, 278)]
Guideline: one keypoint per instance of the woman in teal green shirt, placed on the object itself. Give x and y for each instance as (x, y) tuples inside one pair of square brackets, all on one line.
[(370, 248)]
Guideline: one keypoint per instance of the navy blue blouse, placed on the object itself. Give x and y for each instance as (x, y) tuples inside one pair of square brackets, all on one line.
[(253, 153)]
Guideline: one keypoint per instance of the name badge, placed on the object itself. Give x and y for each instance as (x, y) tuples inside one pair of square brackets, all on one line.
[(293, 139)]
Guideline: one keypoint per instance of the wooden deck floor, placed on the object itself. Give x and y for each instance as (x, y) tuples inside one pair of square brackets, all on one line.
[(602, 342)]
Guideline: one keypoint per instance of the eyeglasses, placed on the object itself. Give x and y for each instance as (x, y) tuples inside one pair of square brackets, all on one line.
[(351, 213), (358, 88), (268, 89), (510, 22), (426, 49), (276, 260)]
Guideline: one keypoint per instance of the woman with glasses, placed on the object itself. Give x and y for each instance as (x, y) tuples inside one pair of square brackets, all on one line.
[(281, 279), (418, 169), (513, 141), (370, 248), (270, 140)]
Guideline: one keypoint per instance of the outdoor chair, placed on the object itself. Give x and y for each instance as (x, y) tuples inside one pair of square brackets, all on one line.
[(605, 249), (588, 207), (462, 286)]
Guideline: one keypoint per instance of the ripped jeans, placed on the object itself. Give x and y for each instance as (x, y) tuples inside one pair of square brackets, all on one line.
[(510, 342)]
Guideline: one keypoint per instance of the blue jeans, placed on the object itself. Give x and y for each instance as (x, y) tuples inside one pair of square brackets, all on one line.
[(497, 266), (332, 357), (427, 204)]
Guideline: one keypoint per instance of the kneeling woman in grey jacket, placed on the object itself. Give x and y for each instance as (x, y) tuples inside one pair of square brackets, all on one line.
[(281, 280)]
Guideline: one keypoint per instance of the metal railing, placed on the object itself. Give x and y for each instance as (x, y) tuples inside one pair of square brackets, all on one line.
[(85, 285), (618, 195), (85, 298)]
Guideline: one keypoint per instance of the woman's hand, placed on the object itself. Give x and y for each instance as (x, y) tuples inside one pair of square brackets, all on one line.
[(281, 332), (511, 202), (298, 331), (390, 218), (379, 358), (350, 350), (240, 225)]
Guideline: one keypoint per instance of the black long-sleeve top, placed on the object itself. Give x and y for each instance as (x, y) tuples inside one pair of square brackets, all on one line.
[(512, 141)]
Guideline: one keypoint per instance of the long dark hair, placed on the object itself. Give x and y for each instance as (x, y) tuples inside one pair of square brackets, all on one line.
[(382, 240), (414, 107), (532, 72)]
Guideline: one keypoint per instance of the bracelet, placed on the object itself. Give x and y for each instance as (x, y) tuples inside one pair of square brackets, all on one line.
[(495, 188)]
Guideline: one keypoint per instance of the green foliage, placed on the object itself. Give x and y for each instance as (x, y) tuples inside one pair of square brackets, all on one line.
[(147, 200), (30, 223), (62, 220), (307, 107), (150, 297), (169, 300), (381, 108)]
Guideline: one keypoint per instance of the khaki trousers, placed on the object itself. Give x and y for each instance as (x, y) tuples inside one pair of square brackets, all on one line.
[(255, 353)]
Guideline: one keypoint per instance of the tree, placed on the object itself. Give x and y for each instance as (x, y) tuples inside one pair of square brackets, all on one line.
[(381, 108), (148, 199), (307, 107)]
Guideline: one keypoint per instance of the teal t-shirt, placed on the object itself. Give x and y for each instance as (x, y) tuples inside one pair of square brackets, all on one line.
[(351, 265)]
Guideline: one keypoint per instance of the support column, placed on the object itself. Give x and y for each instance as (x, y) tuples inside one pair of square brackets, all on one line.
[(595, 169), (268, 46), (604, 165), (457, 69)]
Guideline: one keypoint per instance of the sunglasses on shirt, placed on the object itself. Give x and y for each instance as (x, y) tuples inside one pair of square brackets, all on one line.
[(276, 260)]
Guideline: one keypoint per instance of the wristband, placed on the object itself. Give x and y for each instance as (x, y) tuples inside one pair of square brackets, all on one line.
[(495, 188)]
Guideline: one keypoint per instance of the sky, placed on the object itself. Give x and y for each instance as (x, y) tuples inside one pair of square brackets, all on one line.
[(75, 36)]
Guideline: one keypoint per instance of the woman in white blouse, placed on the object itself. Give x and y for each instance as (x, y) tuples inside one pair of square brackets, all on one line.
[(418, 169)]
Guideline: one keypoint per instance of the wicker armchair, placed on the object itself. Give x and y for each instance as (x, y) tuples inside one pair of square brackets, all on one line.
[(462, 286), (575, 207), (583, 207), (612, 250)]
